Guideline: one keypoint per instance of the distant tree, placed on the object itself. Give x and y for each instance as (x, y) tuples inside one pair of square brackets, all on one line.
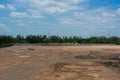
[(7, 40), (114, 40), (4, 39), (20, 39), (55, 39)]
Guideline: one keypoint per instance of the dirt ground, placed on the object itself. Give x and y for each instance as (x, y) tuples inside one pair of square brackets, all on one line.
[(59, 63)]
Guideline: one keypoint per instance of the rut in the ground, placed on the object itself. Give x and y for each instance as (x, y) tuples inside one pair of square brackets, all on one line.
[(65, 71)]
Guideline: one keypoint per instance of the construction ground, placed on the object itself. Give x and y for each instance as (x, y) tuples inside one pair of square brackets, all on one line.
[(60, 63)]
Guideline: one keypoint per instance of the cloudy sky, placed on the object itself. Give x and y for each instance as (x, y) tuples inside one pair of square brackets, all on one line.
[(60, 17)]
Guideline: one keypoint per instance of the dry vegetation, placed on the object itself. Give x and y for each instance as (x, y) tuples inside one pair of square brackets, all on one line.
[(60, 63)]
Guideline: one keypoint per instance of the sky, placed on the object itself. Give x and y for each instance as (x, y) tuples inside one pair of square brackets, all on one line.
[(60, 17)]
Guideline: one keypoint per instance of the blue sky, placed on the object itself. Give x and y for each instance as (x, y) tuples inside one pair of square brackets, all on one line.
[(60, 17)]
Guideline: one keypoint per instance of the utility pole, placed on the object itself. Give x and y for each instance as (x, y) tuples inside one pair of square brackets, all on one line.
[(48, 34), (109, 33)]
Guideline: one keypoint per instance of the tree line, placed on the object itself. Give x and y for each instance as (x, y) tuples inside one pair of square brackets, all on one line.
[(6, 40)]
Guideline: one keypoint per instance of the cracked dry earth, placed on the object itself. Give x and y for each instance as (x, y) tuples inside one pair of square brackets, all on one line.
[(57, 63)]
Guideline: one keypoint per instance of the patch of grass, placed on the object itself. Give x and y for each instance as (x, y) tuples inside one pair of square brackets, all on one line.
[(5, 45)]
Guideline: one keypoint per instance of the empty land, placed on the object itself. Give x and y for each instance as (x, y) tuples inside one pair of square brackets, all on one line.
[(60, 63)]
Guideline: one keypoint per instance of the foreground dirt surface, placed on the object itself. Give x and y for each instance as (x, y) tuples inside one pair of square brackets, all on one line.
[(60, 63)]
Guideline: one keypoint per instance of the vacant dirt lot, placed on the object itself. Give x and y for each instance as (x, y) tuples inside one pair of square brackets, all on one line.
[(60, 63)]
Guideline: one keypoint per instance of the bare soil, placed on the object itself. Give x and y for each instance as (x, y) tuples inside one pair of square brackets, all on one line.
[(60, 63)]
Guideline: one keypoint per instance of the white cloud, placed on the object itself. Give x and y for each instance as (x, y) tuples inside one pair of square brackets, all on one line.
[(108, 14), (2, 6), (76, 1), (52, 6), (96, 16), (35, 13), (30, 13), (10, 7), (21, 24), (118, 11), (2, 25), (55, 9), (4, 28), (18, 14), (95, 19), (77, 14), (65, 21)]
